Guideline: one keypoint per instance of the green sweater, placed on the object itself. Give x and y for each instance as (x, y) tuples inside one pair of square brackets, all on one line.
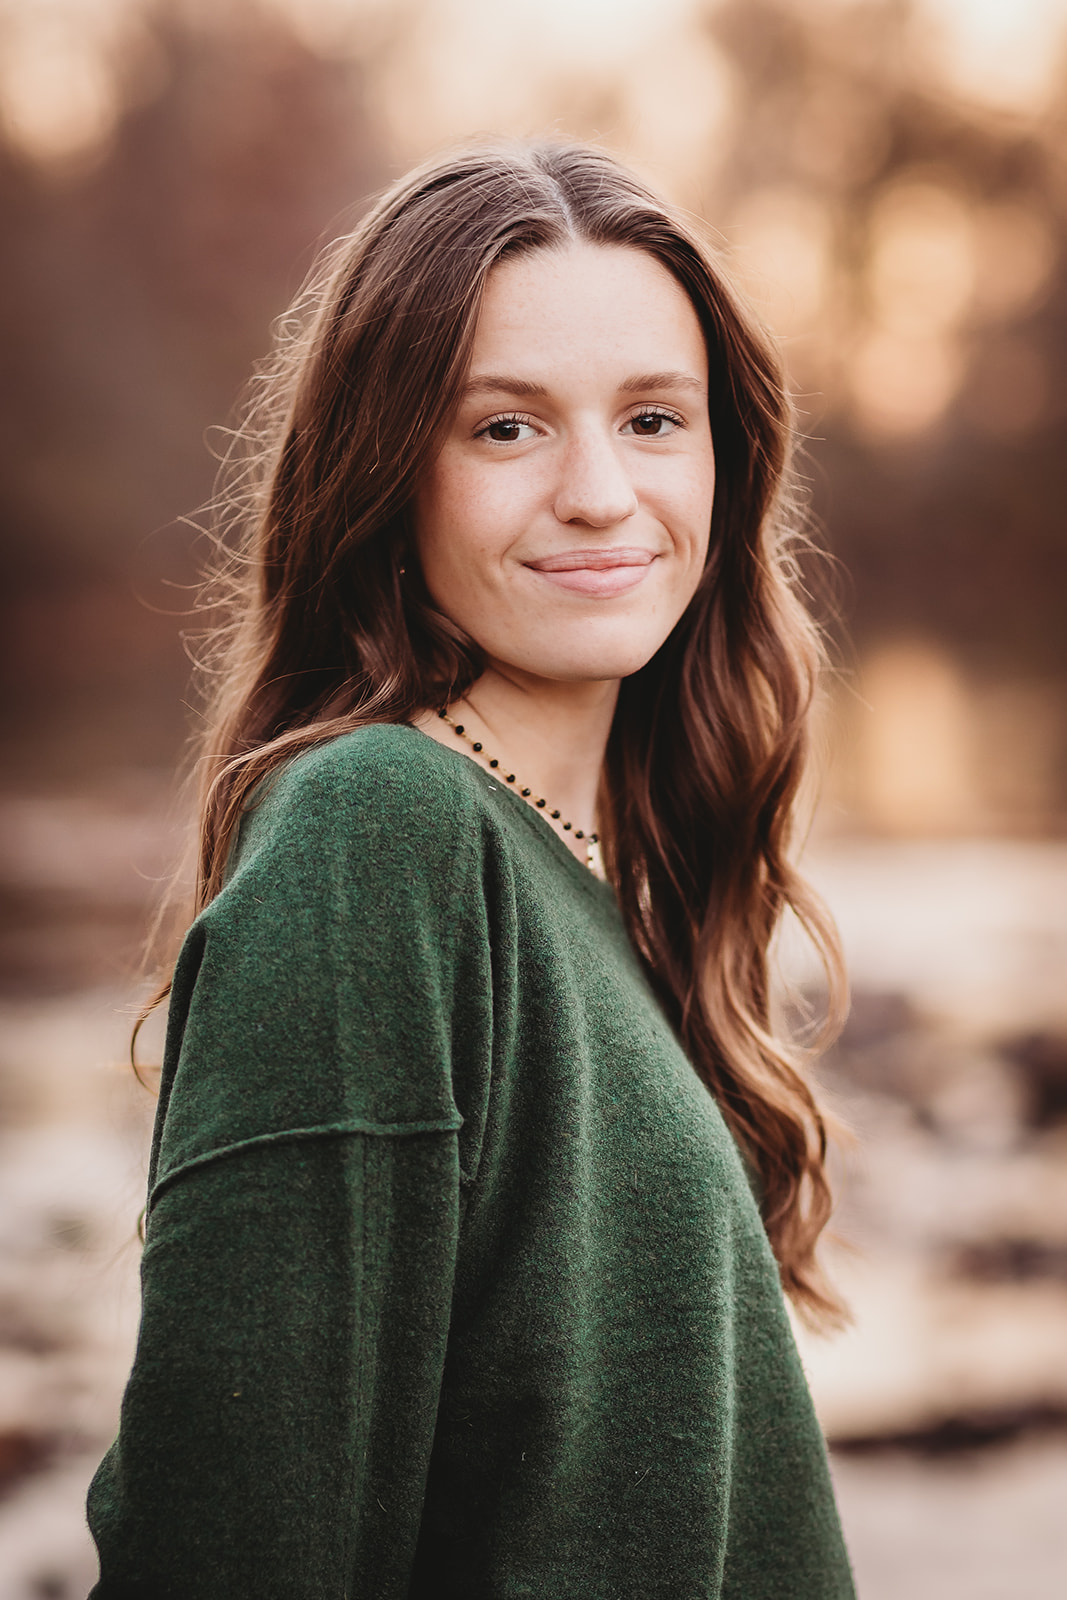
[(454, 1285)]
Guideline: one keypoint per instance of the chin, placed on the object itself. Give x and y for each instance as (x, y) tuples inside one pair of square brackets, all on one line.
[(588, 666)]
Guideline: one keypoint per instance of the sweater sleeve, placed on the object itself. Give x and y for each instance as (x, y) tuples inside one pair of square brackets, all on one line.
[(322, 1101)]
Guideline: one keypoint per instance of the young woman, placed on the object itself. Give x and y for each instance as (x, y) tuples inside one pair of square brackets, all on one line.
[(478, 1170)]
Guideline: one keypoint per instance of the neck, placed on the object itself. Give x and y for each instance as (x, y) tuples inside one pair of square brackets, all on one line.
[(551, 735)]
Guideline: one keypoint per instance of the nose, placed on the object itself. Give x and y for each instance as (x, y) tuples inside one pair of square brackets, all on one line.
[(594, 488)]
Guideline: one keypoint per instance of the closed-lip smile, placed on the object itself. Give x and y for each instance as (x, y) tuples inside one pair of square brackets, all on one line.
[(595, 560), (598, 573)]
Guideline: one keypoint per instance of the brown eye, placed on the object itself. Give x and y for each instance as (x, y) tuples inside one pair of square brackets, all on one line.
[(651, 424), (504, 432)]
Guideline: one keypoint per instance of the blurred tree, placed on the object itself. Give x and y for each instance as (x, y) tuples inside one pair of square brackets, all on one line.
[(936, 370), (133, 298)]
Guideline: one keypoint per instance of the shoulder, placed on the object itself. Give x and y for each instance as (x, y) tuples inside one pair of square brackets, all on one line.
[(389, 762), (385, 793), (317, 986)]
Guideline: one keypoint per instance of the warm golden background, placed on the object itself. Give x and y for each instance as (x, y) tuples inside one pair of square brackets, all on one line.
[(889, 178)]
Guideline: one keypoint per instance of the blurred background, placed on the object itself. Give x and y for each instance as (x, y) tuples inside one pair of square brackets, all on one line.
[(889, 179)]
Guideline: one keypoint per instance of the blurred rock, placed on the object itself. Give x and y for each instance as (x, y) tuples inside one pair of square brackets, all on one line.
[(1041, 1062), (1012, 1260)]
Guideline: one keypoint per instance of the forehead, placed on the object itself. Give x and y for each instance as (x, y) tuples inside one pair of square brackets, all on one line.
[(587, 303)]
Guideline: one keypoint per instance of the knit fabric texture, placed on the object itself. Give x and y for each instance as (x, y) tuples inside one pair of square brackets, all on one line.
[(454, 1284)]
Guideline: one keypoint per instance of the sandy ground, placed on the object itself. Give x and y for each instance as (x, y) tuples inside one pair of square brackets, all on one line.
[(954, 1210)]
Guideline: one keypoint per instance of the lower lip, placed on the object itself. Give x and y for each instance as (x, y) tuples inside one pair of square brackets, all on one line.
[(598, 582)]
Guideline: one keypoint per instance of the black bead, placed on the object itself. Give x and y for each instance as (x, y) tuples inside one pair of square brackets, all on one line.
[(511, 777), (524, 791), (578, 834), (459, 727), (540, 802), (593, 837), (494, 763), (476, 747), (566, 827), (441, 714), (556, 815)]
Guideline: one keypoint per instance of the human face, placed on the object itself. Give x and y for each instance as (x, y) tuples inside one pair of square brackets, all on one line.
[(564, 523)]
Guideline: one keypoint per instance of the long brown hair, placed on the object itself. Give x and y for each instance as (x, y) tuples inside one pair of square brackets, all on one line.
[(710, 740)]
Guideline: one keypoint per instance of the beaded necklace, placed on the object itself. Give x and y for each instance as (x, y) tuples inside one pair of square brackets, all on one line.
[(527, 794)]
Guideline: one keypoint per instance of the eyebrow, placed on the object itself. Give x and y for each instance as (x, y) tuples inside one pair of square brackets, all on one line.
[(662, 380), (497, 383), (491, 383)]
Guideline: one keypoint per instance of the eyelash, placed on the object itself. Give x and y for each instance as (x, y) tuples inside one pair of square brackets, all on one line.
[(516, 418), (503, 418), (658, 411)]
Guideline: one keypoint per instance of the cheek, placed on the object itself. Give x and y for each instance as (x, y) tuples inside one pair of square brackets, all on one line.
[(439, 529), (450, 497), (692, 507), (465, 518), (704, 503), (456, 534), (432, 512), (680, 488)]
